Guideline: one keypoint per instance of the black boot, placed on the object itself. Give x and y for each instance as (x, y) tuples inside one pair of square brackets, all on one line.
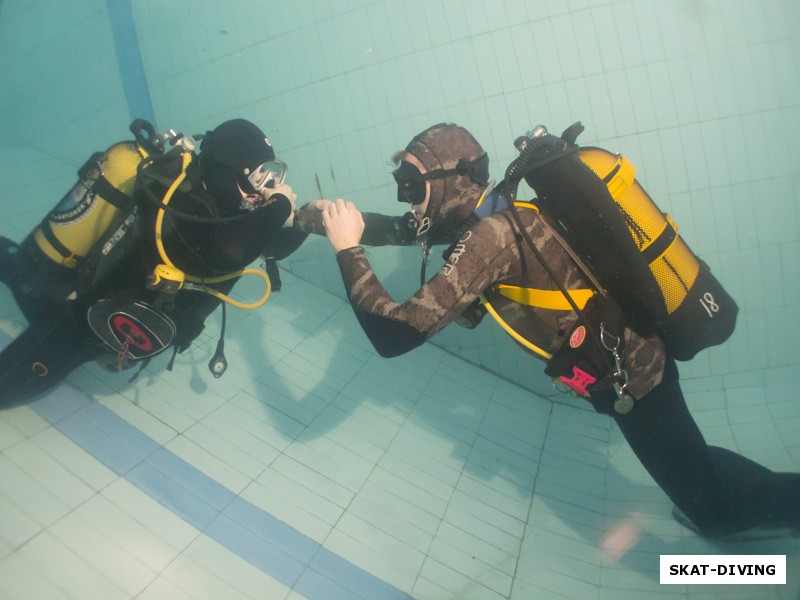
[(755, 533)]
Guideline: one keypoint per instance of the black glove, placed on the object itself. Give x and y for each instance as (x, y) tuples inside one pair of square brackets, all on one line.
[(406, 227), (273, 273)]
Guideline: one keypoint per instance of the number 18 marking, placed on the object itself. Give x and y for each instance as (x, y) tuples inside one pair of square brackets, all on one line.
[(707, 302)]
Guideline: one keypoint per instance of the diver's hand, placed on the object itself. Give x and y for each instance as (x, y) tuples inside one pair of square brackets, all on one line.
[(343, 225), (309, 216), (286, 191), (319, 205)]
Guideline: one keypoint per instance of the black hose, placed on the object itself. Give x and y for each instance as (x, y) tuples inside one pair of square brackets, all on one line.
[(519, 168), (528, 161), (152, 199)]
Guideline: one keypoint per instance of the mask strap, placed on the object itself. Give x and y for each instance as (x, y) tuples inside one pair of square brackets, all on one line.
[(464, 167)]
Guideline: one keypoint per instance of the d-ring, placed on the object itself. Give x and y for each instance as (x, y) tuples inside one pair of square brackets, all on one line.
[(40, 369)]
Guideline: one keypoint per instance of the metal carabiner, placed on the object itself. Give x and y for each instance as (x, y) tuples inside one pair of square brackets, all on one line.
[(624, 402), (604, 333)]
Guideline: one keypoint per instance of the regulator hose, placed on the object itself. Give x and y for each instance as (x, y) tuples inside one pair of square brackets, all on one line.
[(202, 283)]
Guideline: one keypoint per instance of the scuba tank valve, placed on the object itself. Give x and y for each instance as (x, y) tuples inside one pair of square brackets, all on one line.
[(147, 137), (522, 141)]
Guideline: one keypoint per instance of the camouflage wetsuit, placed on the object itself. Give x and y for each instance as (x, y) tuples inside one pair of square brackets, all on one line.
[(486, 254), (720, 491)]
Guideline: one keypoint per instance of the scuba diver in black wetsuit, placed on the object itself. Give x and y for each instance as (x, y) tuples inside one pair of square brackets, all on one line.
[(145, 246), (535, 269)]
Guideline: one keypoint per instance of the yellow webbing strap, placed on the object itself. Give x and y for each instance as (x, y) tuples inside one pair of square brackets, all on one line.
[(547, 299), (52, 247)]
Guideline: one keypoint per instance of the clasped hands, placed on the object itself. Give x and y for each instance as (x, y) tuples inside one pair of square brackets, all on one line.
[(342, 222)]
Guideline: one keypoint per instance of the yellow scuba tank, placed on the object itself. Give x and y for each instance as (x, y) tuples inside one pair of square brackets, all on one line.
[(591, 196), (673, 265), (105, 186)]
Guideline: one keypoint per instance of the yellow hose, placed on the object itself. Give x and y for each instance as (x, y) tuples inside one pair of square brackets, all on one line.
[(186, 158), (510, 331), (200, 281), (217, 294)]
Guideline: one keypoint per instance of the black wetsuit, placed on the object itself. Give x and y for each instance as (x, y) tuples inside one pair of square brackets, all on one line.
[(58, 338)]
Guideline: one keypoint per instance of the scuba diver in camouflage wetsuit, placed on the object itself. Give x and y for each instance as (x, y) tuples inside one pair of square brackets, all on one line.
[(443, 173)]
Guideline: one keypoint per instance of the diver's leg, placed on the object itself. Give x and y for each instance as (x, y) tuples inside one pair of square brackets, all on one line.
[(41, 357), (719, 490), (667, 442), (764, 498)]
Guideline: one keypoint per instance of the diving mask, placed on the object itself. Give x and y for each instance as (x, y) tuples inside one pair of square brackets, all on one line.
[(264, 179), (411, 181), (267, 175)]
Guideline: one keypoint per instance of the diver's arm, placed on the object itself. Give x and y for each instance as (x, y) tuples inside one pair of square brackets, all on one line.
[(396, 328), (380, 230), (384, 230), (389, 335), (287, 240), (308, 217), (487, 253)]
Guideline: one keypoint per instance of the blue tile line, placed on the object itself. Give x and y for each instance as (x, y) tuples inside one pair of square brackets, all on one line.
[(129, 60), (251, 533), (254, 535)]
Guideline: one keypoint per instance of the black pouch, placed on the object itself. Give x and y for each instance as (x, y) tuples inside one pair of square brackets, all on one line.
[(133, 330), (582, 363)]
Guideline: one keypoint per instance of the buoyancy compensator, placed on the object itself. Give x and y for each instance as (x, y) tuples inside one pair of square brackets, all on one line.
[(592, 198)]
